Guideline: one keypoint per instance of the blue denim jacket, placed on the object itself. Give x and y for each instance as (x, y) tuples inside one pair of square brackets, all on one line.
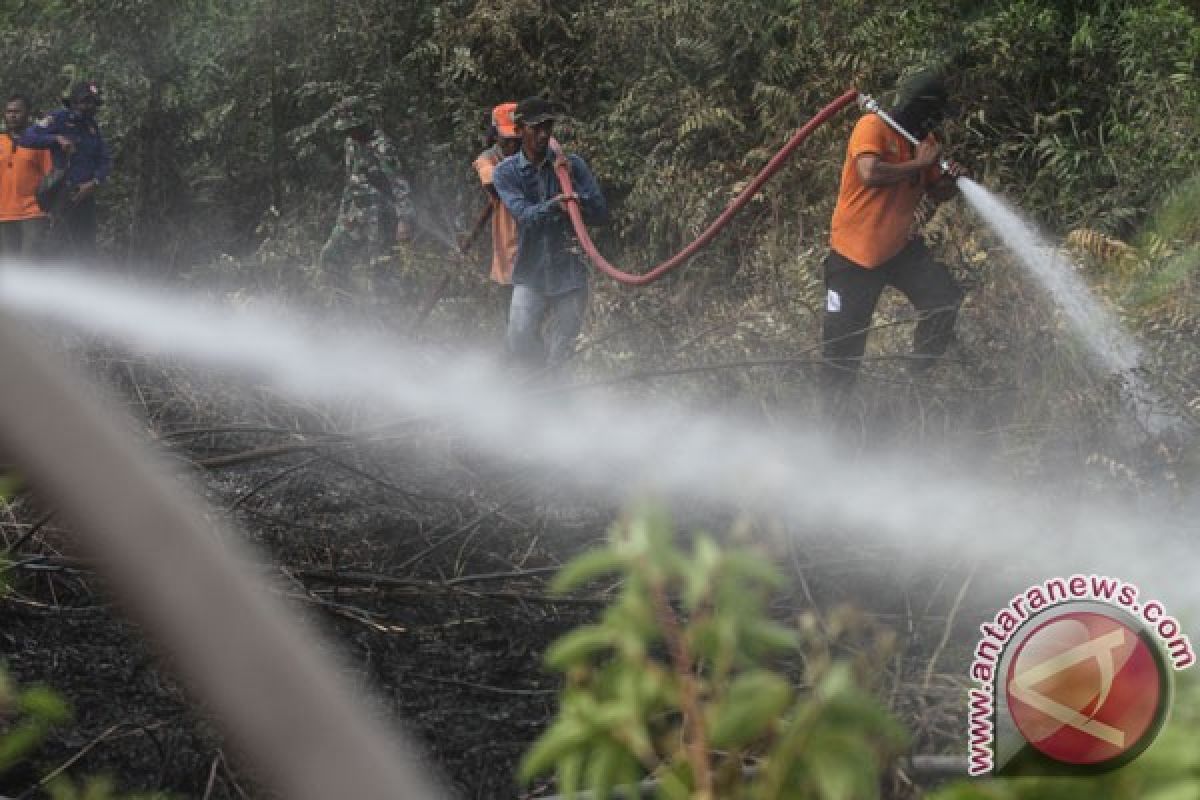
[(549, 257), (91, 160)]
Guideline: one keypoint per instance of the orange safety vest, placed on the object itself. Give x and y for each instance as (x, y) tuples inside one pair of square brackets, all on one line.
[(873, 224), (504, 226), (21, 169)]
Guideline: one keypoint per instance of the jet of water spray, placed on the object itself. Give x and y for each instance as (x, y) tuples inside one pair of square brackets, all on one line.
[(1099, 329), (800, 473)]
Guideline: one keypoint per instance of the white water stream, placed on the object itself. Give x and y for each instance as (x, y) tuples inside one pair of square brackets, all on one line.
[(892, 498), (1098, 328)]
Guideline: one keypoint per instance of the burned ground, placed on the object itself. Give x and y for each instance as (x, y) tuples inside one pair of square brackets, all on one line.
[(428, 565), (428, 562)]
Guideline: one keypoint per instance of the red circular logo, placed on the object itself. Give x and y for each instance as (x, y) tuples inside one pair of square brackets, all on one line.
[(1084, 688)]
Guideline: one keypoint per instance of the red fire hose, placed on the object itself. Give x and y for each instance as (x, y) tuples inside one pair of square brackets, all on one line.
[(773, 166)]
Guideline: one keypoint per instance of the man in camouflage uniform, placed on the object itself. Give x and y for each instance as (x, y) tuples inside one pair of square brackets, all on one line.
[(375, 211)]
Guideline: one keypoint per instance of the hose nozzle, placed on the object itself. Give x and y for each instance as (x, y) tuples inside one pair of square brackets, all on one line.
[(870, 104)]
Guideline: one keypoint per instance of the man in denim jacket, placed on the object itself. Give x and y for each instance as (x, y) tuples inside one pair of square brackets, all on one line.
[(550, 275)]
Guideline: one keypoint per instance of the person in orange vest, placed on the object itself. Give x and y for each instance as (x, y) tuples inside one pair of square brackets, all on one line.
[(22, 223), (872, 241), (503, 130)]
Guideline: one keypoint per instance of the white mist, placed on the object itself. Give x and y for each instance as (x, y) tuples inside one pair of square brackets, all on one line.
[(1099, 329), (891, 498)]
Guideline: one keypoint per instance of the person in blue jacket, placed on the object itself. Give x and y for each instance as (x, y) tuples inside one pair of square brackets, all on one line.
[(550, 273), (73, 136)]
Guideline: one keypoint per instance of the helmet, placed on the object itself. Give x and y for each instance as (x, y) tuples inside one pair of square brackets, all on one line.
[(928, 85), (502, 121), (351, 112), (82, 91)]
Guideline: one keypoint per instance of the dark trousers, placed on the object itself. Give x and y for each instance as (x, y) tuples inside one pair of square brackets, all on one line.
[(852, 293), (22, 238), (74, 230)]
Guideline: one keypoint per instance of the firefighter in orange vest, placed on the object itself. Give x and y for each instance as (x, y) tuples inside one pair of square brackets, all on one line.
[(504, 228), (23, 223), (872, 243)]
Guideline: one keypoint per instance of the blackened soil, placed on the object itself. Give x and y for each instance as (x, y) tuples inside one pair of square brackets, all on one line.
[(439, 607), (426, 564)]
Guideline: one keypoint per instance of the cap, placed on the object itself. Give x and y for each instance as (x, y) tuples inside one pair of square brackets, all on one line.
[(928, 84), (533, 110), (351, 112), (502, 119), (83, 90)]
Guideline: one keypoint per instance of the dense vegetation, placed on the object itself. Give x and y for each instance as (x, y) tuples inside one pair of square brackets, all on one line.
[(1084, 111)]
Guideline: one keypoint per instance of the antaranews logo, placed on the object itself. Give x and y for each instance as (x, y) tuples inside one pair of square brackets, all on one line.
[(1073, 677)]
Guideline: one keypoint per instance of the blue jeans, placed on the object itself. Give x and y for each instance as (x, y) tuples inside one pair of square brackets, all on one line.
[(563, 318)]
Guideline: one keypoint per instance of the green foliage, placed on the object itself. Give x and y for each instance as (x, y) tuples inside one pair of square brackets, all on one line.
[(93, 789), (101, 788), (1083, 111), (1093, 132), (1168, 770), (675, 682), (29, 715), (26, 717), (1167, 257)]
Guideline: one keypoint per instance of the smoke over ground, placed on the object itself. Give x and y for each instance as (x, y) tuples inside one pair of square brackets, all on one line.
[(890, 498)]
